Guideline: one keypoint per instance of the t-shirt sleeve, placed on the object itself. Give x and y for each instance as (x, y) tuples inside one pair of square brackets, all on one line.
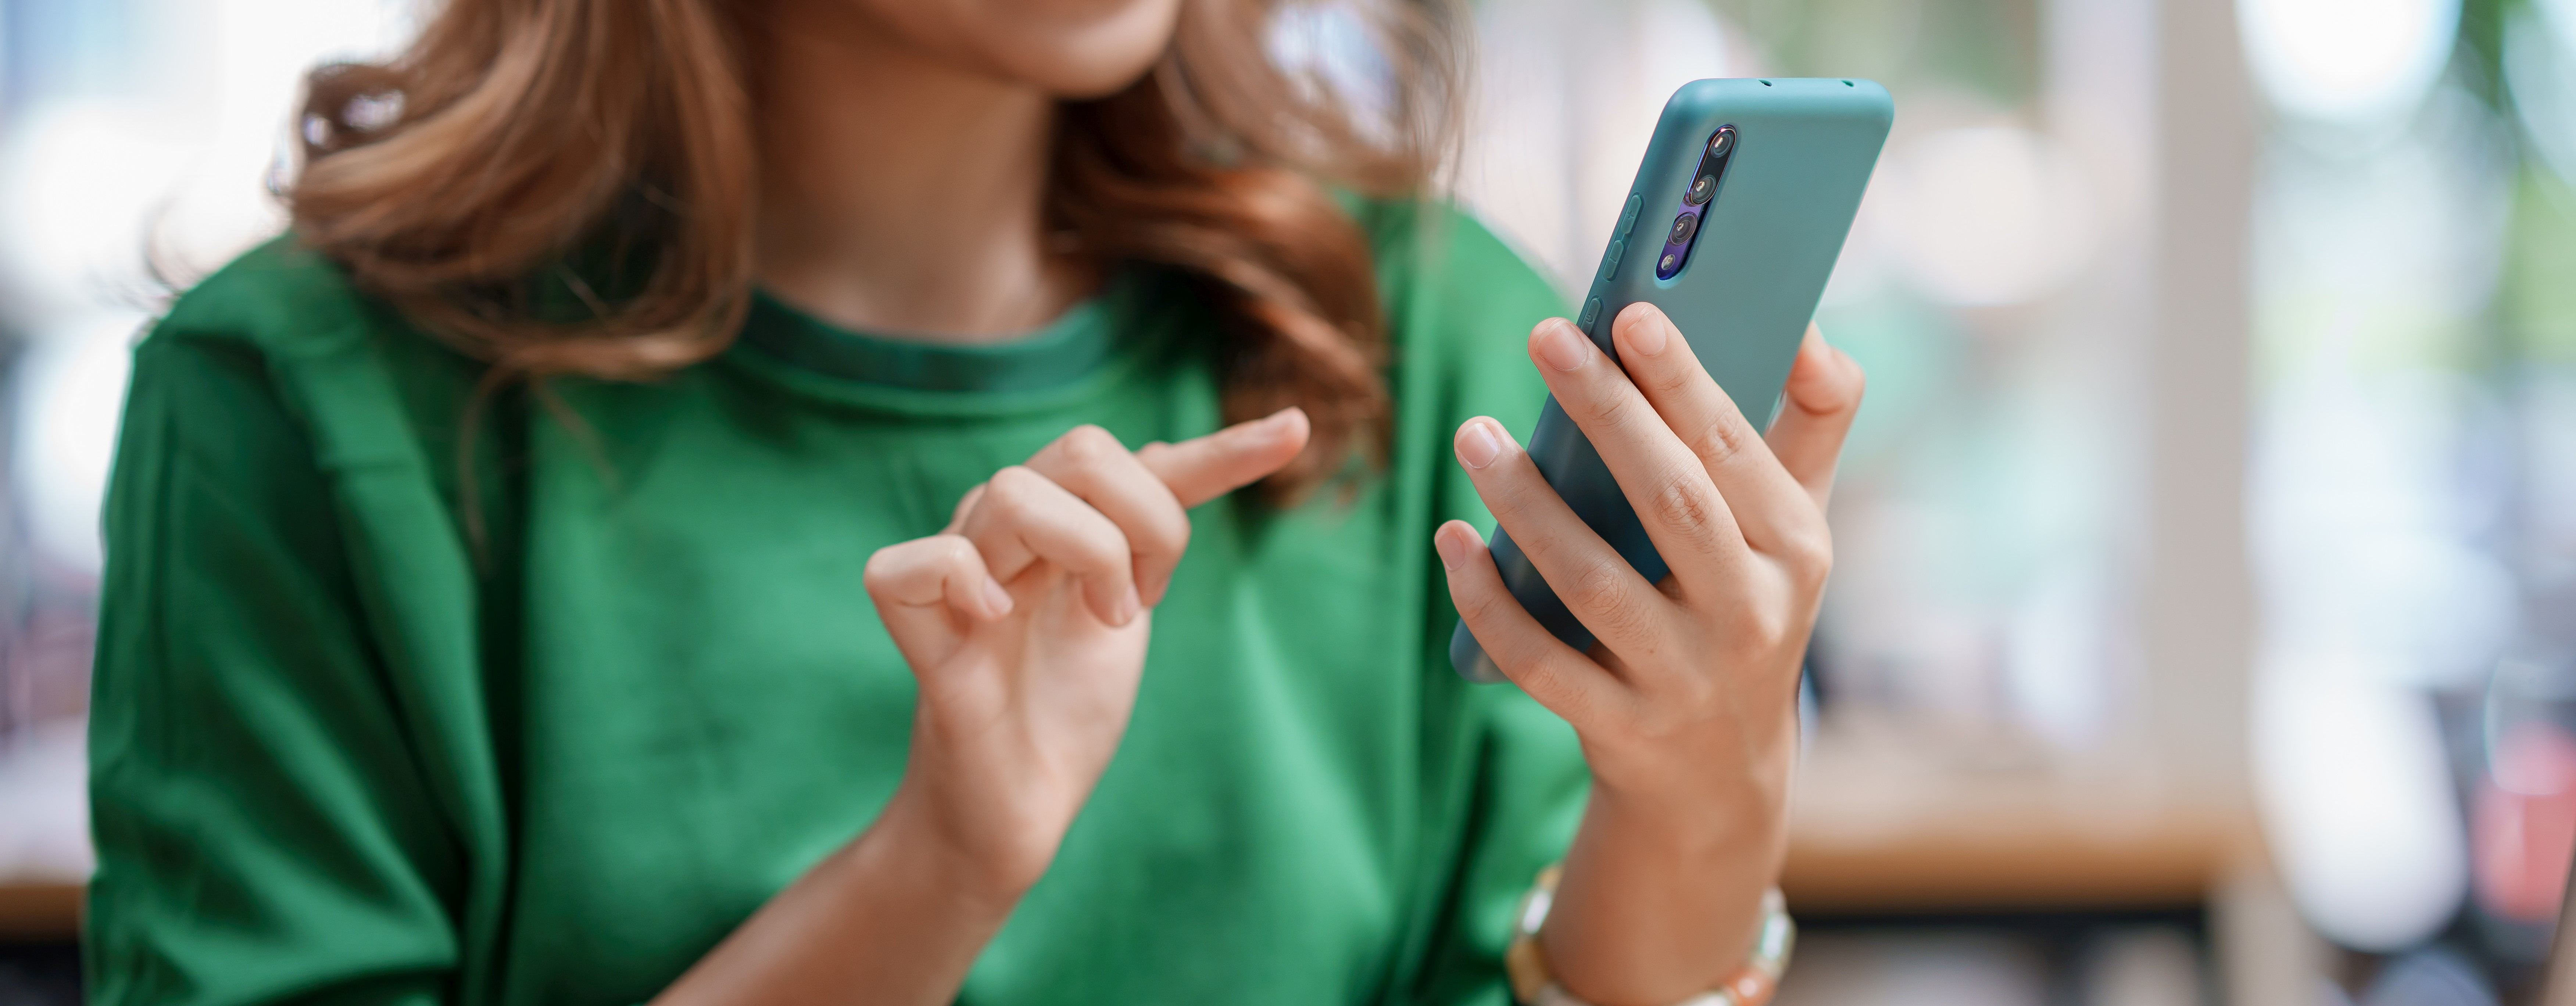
[(264, 832), (1465, 306)]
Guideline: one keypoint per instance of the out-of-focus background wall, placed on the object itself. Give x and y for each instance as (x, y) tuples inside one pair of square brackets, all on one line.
[(2205, 627)]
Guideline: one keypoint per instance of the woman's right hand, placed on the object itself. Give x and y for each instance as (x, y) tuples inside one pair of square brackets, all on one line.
[(1025, 624)]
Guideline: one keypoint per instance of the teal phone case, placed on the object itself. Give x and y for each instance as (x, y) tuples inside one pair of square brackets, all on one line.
[(1743, 294)]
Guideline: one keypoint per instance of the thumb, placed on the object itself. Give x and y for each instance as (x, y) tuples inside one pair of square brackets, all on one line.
[(1203, 468), (1823, 394)]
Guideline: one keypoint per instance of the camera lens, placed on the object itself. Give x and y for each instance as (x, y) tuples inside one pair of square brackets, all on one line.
[(1684, 226), (1719, 144), (1701, 188)]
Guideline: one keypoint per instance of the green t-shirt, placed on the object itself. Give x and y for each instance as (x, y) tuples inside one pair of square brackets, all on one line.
[(342, 754)]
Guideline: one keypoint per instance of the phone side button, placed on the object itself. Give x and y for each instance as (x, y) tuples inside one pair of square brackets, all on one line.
[(1610, 261), (1628, 217), (1591, 313)]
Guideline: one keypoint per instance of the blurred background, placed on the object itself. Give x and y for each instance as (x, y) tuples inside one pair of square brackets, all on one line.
[(2205, 624)]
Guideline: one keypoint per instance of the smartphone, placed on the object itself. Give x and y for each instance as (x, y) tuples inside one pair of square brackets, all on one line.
[(1732, 228)]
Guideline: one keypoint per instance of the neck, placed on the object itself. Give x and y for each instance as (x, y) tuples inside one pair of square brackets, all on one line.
[(898, 193)]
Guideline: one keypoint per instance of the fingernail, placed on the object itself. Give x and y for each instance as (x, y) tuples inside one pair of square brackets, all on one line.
[(1452, 551), (1649, 338), (1563, 347), (1477, 446), (996, 599)]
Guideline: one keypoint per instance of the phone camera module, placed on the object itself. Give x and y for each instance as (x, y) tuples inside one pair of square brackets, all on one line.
[(1697, 201), (1701, 188), (1684, 226)]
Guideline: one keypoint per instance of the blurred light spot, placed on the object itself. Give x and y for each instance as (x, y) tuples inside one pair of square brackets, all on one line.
[(1565, 100), (2365, 533), (2054, 649), (44, 773), (1862, 270), (179, 163), (2435, 977), (2356, 801), (2148, 966), (2540, 66), (1991, 215), (81, 182), (370, 112), (2347, 60), (1329, 46), (70, 391), (2524, 823)]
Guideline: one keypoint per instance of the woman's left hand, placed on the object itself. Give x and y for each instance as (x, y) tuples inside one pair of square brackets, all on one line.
[(1686, 706)]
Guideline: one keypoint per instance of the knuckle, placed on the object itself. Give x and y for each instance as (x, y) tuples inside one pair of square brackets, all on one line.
[(1771, 628), (1596, 587), (1012, 491), (1701, 691), (1688, 507), (1601, 589), (1486, 607), (1687, 698), (879, 574), (1548, 679), (1106, 550), (1658, 719), (1612, 410), (1809, 555), (1164, 525), (1088, 445), (1762, 626), (958, 555), (1723, 439), (1481, 609), (1670, 375), (1170, 536), (888, 568)]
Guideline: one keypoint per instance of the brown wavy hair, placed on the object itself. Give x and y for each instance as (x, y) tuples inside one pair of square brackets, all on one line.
[(515, 139)]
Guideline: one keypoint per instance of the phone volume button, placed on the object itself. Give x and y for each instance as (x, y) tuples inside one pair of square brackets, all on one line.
[(1610, 262), (1628, 217), (1591, 313)]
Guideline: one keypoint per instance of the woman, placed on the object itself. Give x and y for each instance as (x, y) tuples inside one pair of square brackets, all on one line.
[(488, 613)]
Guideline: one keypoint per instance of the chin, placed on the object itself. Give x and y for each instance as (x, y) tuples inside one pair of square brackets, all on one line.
[(1069, 48)]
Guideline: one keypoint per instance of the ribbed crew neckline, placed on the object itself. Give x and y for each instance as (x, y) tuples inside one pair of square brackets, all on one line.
[(1065, 351)]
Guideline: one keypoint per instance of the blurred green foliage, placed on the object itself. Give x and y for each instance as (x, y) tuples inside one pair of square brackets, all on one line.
[(2539, 297)]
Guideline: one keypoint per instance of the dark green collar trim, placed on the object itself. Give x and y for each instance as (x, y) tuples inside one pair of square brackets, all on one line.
[(1063, 352)]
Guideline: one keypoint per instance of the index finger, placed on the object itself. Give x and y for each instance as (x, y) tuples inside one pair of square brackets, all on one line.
[(1203, 468), (1764, 496)]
